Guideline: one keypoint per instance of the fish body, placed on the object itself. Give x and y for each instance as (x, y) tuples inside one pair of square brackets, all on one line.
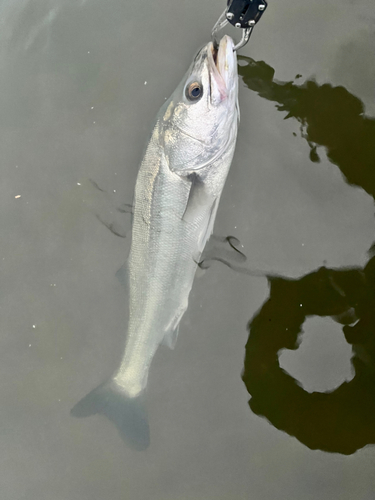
[(177, 193)]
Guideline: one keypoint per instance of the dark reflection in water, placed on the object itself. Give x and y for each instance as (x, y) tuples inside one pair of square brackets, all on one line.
[(342, 420), (339, 421), (329, 117)]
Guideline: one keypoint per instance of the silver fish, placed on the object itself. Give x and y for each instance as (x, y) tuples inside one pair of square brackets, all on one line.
[(177, 193)]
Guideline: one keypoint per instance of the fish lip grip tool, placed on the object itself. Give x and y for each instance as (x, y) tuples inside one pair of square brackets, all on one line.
[(242, 14)]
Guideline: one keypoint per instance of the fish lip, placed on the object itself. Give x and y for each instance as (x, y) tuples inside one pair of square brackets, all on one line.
[(221, 68)]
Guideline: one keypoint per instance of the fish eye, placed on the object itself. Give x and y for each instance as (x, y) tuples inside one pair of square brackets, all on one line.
[(194, 91)]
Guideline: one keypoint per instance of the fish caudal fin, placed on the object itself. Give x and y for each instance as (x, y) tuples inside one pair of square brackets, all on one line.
[(128, 414)]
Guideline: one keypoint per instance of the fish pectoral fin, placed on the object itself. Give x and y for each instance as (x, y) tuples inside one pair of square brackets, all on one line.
[(199, 198), (210, 224)]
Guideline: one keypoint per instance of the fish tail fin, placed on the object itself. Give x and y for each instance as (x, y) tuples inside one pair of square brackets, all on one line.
[(127, 413)]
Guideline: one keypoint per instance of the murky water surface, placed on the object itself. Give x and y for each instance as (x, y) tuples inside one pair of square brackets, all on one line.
[(270, 391)]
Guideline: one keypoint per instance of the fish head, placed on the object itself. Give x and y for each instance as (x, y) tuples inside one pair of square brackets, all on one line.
[(200, 119)]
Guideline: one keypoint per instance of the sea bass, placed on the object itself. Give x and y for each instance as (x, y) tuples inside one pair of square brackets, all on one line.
[(177, 193)]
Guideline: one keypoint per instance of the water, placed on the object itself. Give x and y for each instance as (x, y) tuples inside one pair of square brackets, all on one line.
[(75, 106)]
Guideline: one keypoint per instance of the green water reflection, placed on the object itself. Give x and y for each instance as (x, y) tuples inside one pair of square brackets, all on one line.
[(341, 420)]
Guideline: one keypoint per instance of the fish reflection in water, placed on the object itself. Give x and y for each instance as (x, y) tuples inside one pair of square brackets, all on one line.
[(340, 421), (177, 193)]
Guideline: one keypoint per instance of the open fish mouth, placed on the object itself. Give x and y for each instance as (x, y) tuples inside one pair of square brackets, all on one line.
[(214, 51), (223, 62)]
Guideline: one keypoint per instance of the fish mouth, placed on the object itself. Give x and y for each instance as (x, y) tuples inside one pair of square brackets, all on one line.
[(214, 51), (223, 63)]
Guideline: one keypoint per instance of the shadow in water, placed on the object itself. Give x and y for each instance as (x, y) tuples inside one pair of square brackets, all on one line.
[(342, 420)]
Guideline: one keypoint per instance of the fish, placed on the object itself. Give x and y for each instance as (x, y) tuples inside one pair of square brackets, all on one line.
[(179, 184)]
